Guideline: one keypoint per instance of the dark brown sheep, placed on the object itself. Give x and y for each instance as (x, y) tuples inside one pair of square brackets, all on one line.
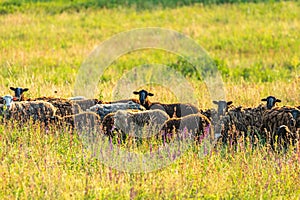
[(85, 104), (64, 106), (285, 137), (274, 118), (196, 124), (108, 124), (240, 122), (82, 122), (173, 110), (126, 122)]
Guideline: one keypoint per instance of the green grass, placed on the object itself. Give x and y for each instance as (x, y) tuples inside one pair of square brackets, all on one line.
[(43, 44)]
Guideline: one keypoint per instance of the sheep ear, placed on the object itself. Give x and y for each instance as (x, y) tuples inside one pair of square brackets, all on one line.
[(278, 100), (216, 102), (150, 94), (229, 103), (12, 88), (135, 92), (25, 89), (264, 99)]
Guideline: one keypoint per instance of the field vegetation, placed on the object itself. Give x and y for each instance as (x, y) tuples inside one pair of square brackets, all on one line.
[(256, 46)]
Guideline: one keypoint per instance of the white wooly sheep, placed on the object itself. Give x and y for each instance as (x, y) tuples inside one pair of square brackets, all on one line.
[(103, 109), (133, 122), (24, 111)]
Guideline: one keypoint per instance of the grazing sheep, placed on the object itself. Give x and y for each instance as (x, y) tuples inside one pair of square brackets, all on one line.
[(271, 101), (24, 111), (64, 107), (197, 124), (104, 109), (133, 122), (81, 122), (173, 110), (19, 92)]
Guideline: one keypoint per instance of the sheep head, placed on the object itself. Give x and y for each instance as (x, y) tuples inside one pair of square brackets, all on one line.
[(19, 91), (7, 101), (222, 107), (271, 101), (143, 94)]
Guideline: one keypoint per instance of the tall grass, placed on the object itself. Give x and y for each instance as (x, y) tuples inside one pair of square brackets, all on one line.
[(56, 165)]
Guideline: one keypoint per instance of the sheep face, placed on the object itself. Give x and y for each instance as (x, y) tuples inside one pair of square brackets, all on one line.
[(296, 116), (271, 101), (143, 94), (222, 106), (19, 91), (8, 100)]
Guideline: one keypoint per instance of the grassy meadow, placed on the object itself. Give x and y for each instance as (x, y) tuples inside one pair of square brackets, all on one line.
[(256, 47)]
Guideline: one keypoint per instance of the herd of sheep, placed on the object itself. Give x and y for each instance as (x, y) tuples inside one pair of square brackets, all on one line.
[(265, 124)]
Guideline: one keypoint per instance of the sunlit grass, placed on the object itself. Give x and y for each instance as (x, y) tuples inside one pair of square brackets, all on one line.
[(256, 47)]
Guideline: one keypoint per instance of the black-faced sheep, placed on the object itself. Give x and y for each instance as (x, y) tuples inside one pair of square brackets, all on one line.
[(173, 110), (271, 101), (104, 109), (196, 124), (24, 111), (19, 92)]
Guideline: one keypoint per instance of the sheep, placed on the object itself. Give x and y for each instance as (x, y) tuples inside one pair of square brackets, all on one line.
[(133, 122), (240, 122), (284, 137), (19, 92), (85, 104), (271, 101), (173, 110), (81, 122), (197, 124), (108, 124), (64, 106), (104, 109), (274, 118), (24, 111), (223, 107)]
